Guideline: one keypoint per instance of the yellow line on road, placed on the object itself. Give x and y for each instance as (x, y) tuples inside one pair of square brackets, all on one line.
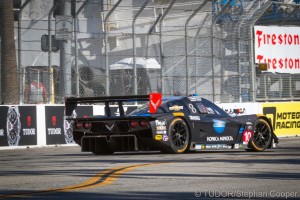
[(104, 178), (112, 175)]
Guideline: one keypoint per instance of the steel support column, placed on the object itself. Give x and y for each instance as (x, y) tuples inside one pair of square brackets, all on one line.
[(214, 19), (20, 71), (161, 42), (75, 43), (134, 49), (186, 41), (50, 73), (106, 43), (262, 11)]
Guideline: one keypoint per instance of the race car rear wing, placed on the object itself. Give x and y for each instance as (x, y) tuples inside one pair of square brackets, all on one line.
[(155, 100)]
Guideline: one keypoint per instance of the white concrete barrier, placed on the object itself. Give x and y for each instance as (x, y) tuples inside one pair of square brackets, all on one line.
[(44, 125)]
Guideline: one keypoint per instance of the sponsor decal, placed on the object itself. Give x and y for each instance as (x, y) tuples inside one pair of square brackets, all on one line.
[(247, 136), (28, 121), (161, 132), (29, 131), (165, 138), (284, 117), (154, 102), (219, 126), (178, 114), (219, 138), (193, 117), (236, 146), (54, 131), (241, 130), (53, 120), (158, 137), (198, 146), (161, 127), (192, 108), (160, 122), (195, 98), (176, 108), (235, 111), (217, 146)]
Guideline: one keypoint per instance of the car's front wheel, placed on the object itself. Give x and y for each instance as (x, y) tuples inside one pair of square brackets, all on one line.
[(262, 136)]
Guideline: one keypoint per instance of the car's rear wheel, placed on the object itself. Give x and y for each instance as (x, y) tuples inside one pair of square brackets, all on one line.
[(179, 136), (262, 136)]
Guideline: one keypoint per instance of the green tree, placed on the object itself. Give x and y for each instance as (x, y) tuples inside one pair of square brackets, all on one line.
[(9, 71)]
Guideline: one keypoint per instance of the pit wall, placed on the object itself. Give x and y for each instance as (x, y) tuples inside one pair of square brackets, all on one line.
[(44, 125)]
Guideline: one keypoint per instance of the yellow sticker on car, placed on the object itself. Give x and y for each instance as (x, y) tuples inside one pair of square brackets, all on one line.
[(178, 114), (158, 137)]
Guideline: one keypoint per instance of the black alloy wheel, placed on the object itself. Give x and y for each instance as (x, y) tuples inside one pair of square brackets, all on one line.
[(262, 136), (179, 136)]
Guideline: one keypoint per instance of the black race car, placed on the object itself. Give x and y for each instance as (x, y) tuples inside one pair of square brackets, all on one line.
[(171, 125)]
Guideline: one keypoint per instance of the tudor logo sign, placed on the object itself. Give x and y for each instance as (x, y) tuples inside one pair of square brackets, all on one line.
[(28, 121), (53, 120)]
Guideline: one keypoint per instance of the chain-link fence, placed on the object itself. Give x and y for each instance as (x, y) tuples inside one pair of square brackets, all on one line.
[(136, 47)]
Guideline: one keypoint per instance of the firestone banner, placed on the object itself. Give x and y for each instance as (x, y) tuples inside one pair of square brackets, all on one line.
[(278, 47), (285, 117)]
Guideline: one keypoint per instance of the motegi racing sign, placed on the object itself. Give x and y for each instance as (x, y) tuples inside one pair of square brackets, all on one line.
[(278, 47), (285, 117)]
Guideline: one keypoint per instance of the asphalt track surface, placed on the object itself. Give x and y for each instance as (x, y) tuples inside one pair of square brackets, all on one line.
[(66, 173)]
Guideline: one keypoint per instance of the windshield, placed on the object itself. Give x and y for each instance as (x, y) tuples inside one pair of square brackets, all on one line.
[(144, 109), (203, 106)]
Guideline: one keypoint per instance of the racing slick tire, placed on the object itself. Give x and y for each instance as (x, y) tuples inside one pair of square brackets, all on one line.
[(262, 136), (179, 136)]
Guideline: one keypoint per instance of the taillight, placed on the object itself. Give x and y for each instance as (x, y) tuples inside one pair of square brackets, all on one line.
[(87, 125), (144, 123), (78, 125), (134, 124)]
